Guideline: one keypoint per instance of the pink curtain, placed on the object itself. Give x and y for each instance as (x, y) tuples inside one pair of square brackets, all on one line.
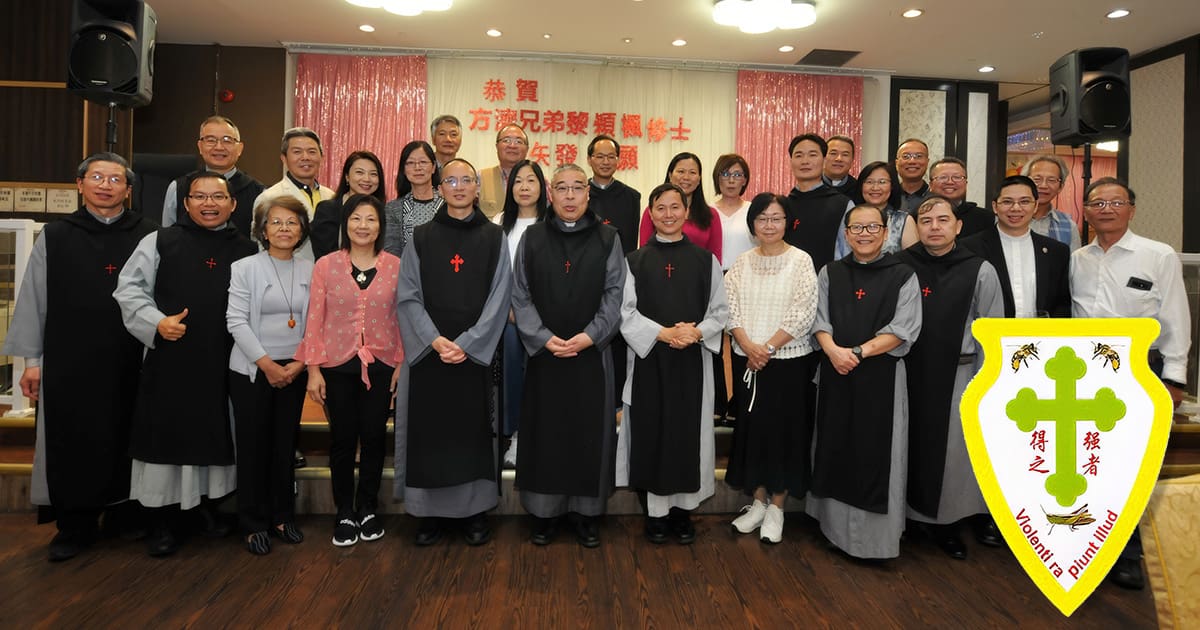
[(774, 107), (361, 103)]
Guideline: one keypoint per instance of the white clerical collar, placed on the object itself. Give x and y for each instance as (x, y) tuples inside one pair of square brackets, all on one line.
[(106, 220), (570, 225), (1008, 237), (658, 237), (602, 186)]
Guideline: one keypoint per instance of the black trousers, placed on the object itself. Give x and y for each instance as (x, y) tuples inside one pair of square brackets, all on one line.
[(265, 421), (357, 416)]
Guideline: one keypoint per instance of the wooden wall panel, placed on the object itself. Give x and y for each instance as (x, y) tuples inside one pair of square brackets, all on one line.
[(43, 134), (35, 34)]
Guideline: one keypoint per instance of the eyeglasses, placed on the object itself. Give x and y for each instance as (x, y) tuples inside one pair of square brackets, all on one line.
[(211, 141), (512, 141), (563, 189), (279, 224), (1007, 204), (418, 164), (876, 182), (733, 175), (1115, 204), (605, 157), (1039, 180), (215, 197), (459, 182), (871, 228), (942, 179), (761, 220), (115, 180), (911, 156)]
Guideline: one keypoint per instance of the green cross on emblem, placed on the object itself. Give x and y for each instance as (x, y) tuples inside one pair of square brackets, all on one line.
[(1065, 410)]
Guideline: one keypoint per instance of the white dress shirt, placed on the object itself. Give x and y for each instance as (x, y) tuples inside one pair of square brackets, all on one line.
[(1022, 272), (1101, 287)]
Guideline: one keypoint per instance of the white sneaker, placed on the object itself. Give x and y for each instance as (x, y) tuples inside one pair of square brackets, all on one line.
[(772, 525), (751, 518), (510, 456)]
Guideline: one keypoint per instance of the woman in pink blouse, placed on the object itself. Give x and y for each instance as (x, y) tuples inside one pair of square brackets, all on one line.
[(353, 352), (702, 227)]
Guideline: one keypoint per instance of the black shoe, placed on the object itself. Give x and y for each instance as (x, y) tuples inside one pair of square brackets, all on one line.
[(1127, 573), (586, 531), (657, 529), (161, 542), (68, 544), (544, 530), (213, 524), (370, 527), (429, 532), (478, 532), (987, 533), (300, 461), (345, 532), (258, 543), (682, 527), (288, 533), (948, 540)]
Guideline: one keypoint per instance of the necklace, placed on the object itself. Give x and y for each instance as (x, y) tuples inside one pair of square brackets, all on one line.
[(286, 295)]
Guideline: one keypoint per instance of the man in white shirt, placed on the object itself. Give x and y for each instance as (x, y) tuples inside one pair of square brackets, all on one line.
[(1049, 172), (1121, 274)]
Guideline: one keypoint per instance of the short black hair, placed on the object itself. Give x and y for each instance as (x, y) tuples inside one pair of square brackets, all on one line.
[(847, 139), (760, 203), (1016, 180), (352, 204), (105, 156), (811, 137), (300, 132), (591, 148), (882, 219)]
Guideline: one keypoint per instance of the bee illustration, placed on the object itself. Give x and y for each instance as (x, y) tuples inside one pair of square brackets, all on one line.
[(1075, 519), (1110, 356), (1023, 354)]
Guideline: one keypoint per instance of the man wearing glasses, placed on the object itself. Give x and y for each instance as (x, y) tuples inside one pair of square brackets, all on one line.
[(1049, 172), (948, 178), (512, 145), (912, 161), (64, 313), (1033, 269), (1121, 274), (220, 147)]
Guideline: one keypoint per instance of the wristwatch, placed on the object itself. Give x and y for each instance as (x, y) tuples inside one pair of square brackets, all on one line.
[(857, 350), (771, 350)]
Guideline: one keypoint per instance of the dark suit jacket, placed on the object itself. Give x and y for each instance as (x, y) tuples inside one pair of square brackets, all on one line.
[(1051, 264)]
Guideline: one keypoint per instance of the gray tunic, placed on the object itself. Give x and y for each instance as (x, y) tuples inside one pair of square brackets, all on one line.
[(641, 333), (418, 331), (601, 329), (157, 485), (860, 533)]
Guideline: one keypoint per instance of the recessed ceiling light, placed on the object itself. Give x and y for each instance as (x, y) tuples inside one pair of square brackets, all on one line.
[(367, 28), (491, 32), (679, 42), (912, 13), (545, 35), (786, 48), (628, 40), (1117, 14), (987, 68), (1039, 34)]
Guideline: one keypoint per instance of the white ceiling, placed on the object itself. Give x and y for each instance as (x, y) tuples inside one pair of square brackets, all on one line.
[(1021, 38)]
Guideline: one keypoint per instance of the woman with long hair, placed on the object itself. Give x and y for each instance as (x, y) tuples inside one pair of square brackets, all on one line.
[(362, 174), (702, 227), (417, 198), (878, 186)]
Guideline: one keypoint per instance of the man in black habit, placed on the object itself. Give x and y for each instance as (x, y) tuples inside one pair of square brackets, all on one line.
[(453, 297), (173, 293), (620, 206), (815, 210), (868, 315), (63, 313), (569, 274), (957, 288)]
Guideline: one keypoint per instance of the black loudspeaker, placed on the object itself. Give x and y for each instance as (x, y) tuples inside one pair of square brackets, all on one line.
[(111, 55), (1089, 96)]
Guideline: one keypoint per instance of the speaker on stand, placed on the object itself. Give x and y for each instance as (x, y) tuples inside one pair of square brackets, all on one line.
[(1089, 101), (111, 56)]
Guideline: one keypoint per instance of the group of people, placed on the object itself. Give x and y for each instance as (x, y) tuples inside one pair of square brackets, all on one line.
[(477, 303)]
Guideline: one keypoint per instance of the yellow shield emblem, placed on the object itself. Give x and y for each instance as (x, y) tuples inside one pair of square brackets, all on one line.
[(1066, 427)]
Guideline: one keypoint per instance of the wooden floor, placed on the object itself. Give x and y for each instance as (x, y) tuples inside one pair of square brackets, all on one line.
[(722, 581)]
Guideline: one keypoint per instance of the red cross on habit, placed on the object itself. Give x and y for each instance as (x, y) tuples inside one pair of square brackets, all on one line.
[(607, 221), (669, 269), (110, 268), (860, 293), (795, 224), (926, 291), (567, 266), (210, 262), (457, 261)]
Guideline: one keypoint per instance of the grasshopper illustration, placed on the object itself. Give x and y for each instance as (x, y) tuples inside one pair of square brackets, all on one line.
[(1078, 518)]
